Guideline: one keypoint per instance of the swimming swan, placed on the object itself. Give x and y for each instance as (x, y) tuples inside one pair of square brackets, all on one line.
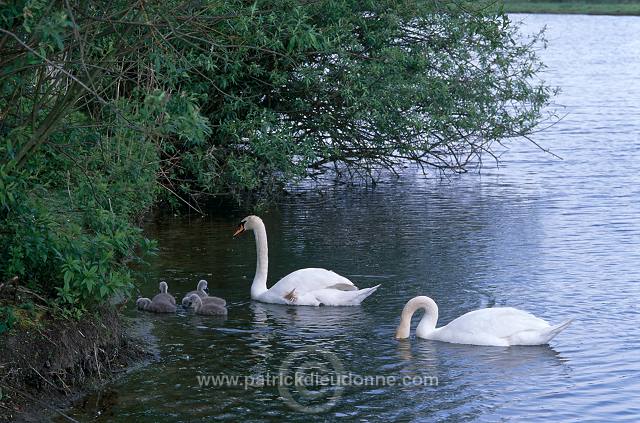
[(164, 294), (155, 306), (202, 291), (161, 303), (205, 306), (310, 286), (502, 326)]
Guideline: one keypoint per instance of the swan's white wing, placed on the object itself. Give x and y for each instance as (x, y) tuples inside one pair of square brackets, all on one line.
[(311, 279), (500, 322), (334, 297)]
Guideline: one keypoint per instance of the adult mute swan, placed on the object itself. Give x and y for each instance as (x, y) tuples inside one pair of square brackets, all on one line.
[(502, 326), (310, 286)]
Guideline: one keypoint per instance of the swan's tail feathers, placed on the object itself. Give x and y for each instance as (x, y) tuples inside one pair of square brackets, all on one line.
[(333, 297), (552, 331), (365, 292), (537, 336)]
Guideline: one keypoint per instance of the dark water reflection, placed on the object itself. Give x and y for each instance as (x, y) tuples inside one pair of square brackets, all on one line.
[(558, 238)]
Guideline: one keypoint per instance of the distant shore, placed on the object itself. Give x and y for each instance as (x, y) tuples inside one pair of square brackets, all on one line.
[(573, 7)]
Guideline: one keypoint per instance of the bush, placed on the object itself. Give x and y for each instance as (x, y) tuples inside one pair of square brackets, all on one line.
[(68, 224), (7, 319)]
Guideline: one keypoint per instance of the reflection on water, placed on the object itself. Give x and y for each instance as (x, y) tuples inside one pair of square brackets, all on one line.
[(557, 238)]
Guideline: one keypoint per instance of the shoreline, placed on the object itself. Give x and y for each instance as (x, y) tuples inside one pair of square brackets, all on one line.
[(573, 8), (44, 371)]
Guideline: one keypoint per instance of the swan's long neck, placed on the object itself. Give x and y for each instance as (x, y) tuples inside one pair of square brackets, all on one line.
[(259, 285), (427, 323), (202, 285)]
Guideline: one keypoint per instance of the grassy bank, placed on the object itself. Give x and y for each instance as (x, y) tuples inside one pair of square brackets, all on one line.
[(45, 364), (573, 7)]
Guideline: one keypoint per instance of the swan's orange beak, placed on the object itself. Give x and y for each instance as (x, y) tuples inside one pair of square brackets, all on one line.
[(240, 229)]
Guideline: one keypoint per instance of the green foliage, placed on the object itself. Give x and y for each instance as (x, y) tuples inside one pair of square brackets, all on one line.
[(590, 7), (7, 319), (71, 244), (350, 88), (67, 214)]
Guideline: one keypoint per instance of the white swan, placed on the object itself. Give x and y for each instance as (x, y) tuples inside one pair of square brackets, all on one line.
[(489, 326), (310, 286)]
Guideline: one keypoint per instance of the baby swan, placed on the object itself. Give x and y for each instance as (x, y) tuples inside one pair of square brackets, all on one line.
[(164, 294), (202, 291), (205, 306), (161, 303), (155, 306)]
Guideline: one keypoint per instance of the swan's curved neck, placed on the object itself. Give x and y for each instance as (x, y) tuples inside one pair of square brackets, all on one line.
[(427, 323), (259, 285)]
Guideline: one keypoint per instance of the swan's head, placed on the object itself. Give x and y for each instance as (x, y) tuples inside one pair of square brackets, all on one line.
[(249, 223), (403, 330), (164, 287), (142, 303), (191, 300), (203, 286)]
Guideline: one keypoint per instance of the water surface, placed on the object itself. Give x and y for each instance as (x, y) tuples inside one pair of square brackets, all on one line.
[(559, 238)]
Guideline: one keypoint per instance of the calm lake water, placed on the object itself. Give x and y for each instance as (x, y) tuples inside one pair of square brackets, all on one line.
[(559, 238)]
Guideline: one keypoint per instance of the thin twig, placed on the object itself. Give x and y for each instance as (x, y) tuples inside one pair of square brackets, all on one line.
[(95, 355), (182, 199)]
